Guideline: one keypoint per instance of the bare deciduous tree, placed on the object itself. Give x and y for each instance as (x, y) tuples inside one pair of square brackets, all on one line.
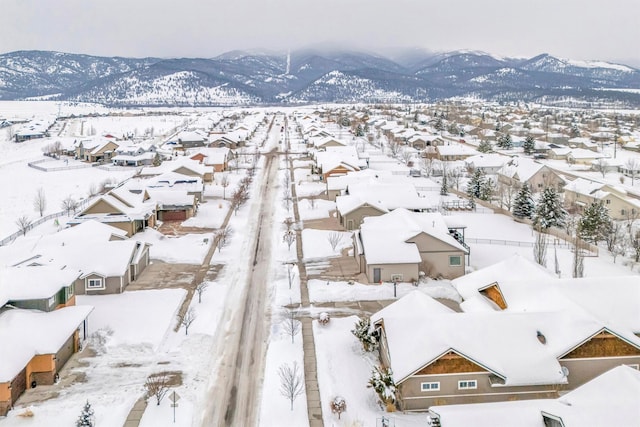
[(313, 201), (186, 319), (406, 155), (633, 166), (200, 289), (286, 190), (540, 249), (69, 205), (40, 201), (288, 222), (24, 224), (291, 383), (289, 237), (157, 385), (334, 239), (601, 165), (224, 183), (291, 325), (394, 147), (290, 274), (222, 238)]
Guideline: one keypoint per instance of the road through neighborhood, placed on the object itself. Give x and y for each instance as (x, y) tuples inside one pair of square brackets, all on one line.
[(240, 350)]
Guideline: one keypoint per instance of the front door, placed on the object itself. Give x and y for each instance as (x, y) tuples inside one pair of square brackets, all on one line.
[(376, 275)]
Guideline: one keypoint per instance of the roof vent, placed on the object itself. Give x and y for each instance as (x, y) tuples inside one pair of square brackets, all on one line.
[(541, 337)]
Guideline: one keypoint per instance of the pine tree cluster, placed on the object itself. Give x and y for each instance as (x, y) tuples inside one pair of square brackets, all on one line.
[(523, 205), (549, 211)]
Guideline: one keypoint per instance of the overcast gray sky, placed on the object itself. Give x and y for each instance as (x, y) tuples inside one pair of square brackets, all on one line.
[(579, 29)]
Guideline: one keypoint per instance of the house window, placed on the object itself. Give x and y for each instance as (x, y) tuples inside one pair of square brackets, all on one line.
[(434, 386), (94, 284), (70, 291), (608, 201), (51, 301), (467, 385), (623, 212), (540, 185), (455, 260)]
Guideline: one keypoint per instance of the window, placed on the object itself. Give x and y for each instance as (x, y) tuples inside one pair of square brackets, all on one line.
[(467, 385), (608, 201), (70, 291), (435, 386), (51, 301), (623, 212), (94, 284), (540, 185), (455, 260)]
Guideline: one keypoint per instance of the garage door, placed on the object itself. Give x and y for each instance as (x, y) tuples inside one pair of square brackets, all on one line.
[(174, 215)]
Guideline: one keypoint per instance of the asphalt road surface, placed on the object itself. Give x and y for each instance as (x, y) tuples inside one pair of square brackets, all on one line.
[(240, 350)]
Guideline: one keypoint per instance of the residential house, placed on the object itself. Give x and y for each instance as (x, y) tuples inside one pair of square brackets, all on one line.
[(120, 208), (374, 198), (399, 245), (581, 156), (451, 152), (191, 139), (520, 170), (35, 347), (32, 130), (44, 288), (581, 192), (173, 205), (182, 165), (134, 155), (214, 157), (488, 163), (327, 141), (610, 399), (96, 151), (491, 356), (191, 185)]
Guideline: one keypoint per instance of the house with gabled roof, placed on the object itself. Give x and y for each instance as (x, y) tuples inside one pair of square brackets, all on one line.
[(214, 157), (473, 357), (399, 245), (44, 288), (107, 261), (96, 151), (374, 198), (581, 192), (121, 208), (35, 347), (610, 399), (519, 171)]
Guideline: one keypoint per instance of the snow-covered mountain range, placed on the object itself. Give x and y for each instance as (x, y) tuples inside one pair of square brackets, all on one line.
[(305, 76)]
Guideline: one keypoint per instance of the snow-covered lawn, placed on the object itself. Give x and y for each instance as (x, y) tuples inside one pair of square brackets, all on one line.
[(320, 291), (315, 243), (187, 249), (321, 209), (210, 214), (143, 317)]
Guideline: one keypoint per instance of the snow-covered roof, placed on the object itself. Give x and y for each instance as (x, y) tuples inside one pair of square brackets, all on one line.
[(26, 333), (521, 167), (610, 399), (491, 160), (513, 268), (391, 195), (172, 165), (349, 203), (384, 238), (172, 197), (581, 153), (37, 282), (505, 344), (456, 150)]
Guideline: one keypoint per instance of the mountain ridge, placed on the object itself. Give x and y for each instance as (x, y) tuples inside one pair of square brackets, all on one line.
[(313, 75)]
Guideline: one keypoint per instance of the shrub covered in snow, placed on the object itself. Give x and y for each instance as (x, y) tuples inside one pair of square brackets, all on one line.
[(382, 382), (368, 338), (324, 318), (338, 405)]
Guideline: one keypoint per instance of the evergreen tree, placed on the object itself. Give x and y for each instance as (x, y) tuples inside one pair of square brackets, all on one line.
[(595, 223), (439, 125), (86, 418), (359, 130), (549, 211), (157, 160), (523, 206), (485, 146), (505, 142), (479, 187), (575, 131), (529, 145), (444, 190)]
